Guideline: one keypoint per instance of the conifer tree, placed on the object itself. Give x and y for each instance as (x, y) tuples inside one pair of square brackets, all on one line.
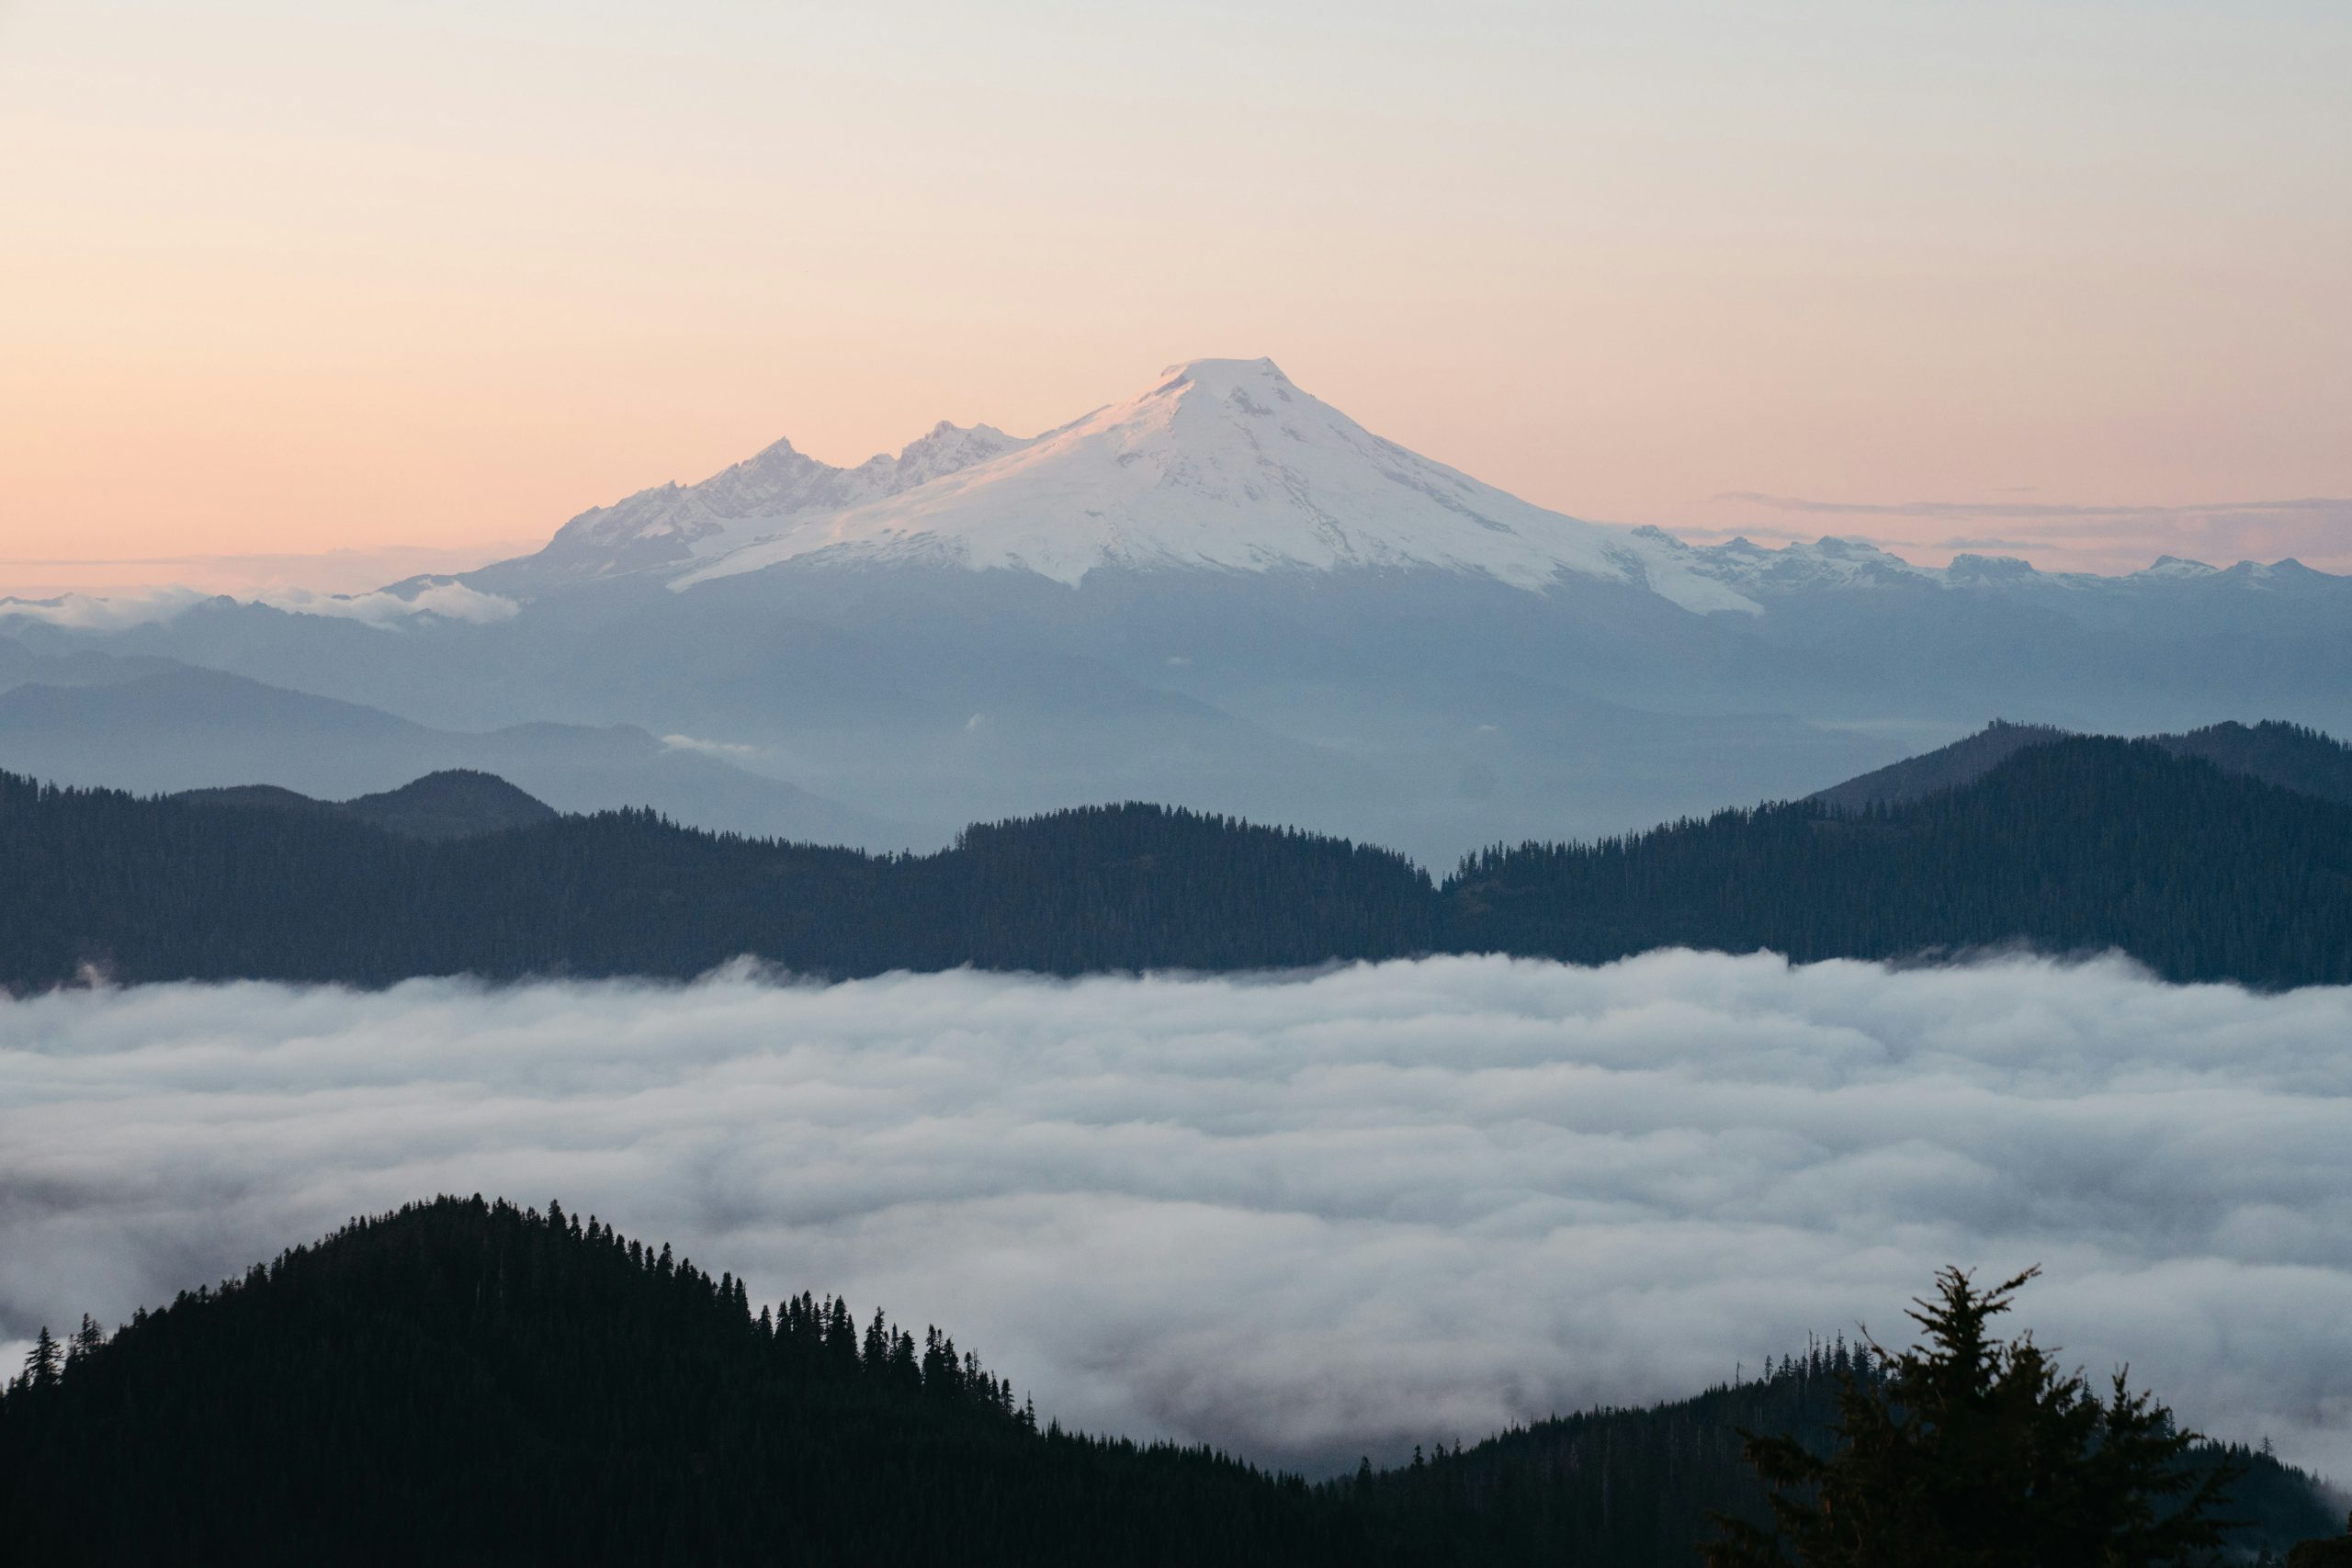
[(41, 1361), (1969, 1451)]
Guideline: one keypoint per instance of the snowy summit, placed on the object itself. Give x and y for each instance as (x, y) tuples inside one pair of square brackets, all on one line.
[(1221, 465)]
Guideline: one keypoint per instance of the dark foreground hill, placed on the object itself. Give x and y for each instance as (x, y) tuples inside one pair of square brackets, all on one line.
[(456, 803), (469, 1382), (2070, 846)]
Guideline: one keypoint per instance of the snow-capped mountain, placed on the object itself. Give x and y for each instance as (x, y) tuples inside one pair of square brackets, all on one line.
[(675, 525), (1224, 593), (1759, 574), (1221, 464)]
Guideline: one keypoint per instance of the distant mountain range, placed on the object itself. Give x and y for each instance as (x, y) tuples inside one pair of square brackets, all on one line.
[(2198, 867), (471, 1381), (151, 724), (1225, 593)]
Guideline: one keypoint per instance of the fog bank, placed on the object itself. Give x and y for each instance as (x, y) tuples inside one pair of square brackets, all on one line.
[(1305, 1218)]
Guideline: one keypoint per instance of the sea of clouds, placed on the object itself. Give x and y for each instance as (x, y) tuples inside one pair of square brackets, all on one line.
[(1304, 1217)]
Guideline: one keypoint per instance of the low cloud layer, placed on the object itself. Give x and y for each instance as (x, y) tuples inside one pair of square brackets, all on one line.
[(343, 570), (451, 601), (1305, 1218)]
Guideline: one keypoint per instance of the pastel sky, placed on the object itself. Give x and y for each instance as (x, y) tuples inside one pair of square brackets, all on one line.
[(284, 286)]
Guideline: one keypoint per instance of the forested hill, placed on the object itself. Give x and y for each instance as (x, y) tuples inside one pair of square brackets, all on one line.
[(2287, 755), (456, 803), (2073, 846), (142, 889), (1948, 767), (466, 1382)]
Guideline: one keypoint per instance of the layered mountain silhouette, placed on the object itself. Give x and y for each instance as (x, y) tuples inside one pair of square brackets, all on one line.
[(154, 725), (472, 1381), (1223, 593)]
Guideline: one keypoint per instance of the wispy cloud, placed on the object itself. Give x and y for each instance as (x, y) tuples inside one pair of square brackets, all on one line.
[(724, 749), (451, 601), (1986, 542), (1307, 1218), (93, 612), (355, 571), (2322, 505)]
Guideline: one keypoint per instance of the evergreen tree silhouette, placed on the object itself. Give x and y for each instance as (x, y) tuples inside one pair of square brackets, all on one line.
[(85, 1342), (41, 1361), (1969, 1451)]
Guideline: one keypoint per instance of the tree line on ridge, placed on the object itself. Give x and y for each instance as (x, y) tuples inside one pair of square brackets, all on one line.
[(2075, 846)]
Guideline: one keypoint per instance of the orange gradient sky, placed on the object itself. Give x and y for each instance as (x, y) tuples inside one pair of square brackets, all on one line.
[(2062, 279)]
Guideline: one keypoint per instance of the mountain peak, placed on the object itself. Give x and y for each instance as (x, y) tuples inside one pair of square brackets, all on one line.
[(1221, 374), (1222, 465), (673, 525)]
